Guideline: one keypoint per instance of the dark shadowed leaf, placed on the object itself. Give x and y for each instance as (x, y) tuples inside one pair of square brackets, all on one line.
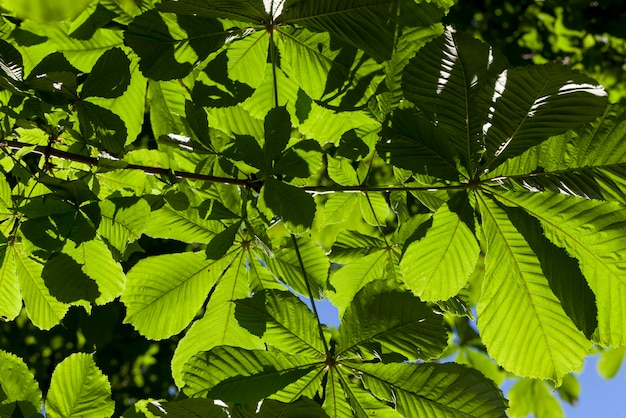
[(106, 127), (109, 77), (168, 47), (293, 205)]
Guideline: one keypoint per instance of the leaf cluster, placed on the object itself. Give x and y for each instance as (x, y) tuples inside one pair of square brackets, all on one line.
[(218, 171)]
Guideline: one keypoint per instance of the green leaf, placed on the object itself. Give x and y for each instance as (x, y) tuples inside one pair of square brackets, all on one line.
[(10, 297), (610, 362), (12, 67), (569, 391), (438, 266), (186, 226), (592, 232), (341, 77), (109, 77), (169, 45), (251, 11), (374, 208), (362, 402), (17, 382), (225, 373), (18, 409), (562, 271), (97, 263), (341, 172), (282, 320), (92, 19), (442, 79), (295, 206), (188, 408), (277, 132), (122, 222), (518, 314), (218, 326), (367, 24), (106, 127), (285, 266), (245, 148), (216, 89), (43, 309), (529, 396), (164, 292), (434, 390), (222, 242), (335, 402), (480, 361), (302, 408), (78, 388), (398, 321), (589, 162), (250, 51), (350, 279), (553, 98), (414, 143), (67, 282)]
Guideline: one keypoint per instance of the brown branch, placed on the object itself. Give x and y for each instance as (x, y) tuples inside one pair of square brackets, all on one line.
[(251, 184), (93, 161)]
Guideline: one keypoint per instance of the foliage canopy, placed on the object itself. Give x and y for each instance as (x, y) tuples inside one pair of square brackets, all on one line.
[(208, 171)]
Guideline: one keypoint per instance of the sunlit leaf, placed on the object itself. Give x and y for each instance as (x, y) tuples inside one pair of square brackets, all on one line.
[(17, 382), (398, 321), (518, 313), (78, 387), (165, 292)]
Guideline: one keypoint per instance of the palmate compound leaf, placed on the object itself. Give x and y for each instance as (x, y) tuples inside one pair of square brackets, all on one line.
[(282, 320), (79, 388), (433, 390), (17, 383), (234, 374), (521, 321), (492, 113), (164, 292), (593, 232), (382, 320), (437, 266), (442, 80)]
